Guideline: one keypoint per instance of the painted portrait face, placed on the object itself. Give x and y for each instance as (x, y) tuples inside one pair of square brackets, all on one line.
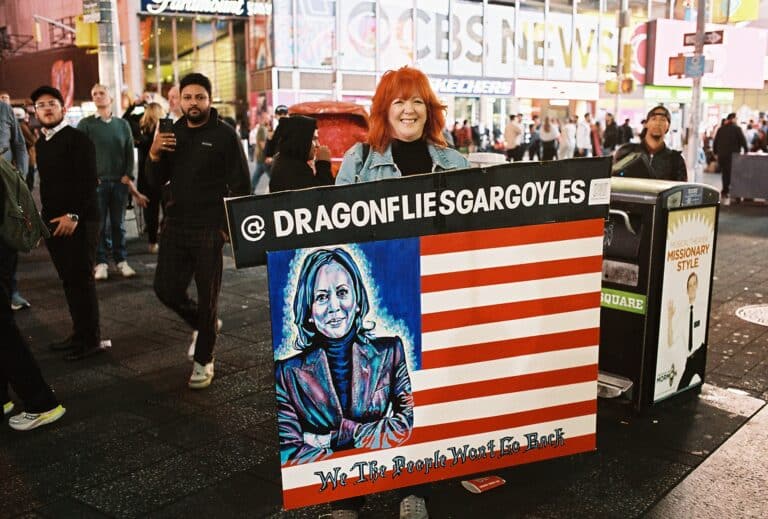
[(407, 118), (334, 301)]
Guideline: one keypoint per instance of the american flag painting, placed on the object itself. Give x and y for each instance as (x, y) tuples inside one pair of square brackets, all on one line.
[(499, 332)]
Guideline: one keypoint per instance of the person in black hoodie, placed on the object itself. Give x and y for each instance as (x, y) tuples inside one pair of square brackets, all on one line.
[(204, 162), (298, 146)]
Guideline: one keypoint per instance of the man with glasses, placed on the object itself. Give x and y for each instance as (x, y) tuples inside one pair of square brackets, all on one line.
[(113, 140), (66, 161), (203, 161)]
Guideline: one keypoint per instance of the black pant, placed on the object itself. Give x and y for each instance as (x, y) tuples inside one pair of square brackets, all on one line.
[(187, 252), (725, 168), (73, 257), (549, 150), (534, 150), (17, 365), (695, 365)]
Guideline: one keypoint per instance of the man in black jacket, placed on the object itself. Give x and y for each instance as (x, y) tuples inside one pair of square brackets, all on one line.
[(66, 160), (729, 140), (204, 162), (661, 162)]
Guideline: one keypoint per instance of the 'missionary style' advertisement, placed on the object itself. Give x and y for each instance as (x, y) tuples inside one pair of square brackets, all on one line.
[(685, 301)]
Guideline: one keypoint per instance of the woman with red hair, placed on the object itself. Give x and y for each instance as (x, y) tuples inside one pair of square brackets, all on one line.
[(405, 135)]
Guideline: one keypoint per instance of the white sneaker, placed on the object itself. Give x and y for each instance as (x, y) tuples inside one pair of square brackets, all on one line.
[(101, 272), (413, 507), (8, 407), (201, 375), (29, 421), (726, 200), (126, 269), (191, 349)]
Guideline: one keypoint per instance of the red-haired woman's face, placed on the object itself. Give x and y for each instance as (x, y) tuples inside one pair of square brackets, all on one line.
[(407, 117)]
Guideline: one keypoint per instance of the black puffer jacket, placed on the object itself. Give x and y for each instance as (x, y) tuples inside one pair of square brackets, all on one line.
[(290, 169), (665, 164)]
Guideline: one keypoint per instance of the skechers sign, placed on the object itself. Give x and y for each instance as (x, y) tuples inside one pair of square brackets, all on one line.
[(471, 86), (215, 7)]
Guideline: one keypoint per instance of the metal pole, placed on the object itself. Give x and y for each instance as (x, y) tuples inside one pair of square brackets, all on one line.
[(110, 63), (623, 21), (694, 142)]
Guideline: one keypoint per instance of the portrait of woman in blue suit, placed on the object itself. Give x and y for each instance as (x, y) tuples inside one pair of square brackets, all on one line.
[(344, 388)]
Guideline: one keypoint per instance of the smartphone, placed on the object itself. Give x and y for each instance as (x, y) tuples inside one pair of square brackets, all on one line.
[(166, 125)]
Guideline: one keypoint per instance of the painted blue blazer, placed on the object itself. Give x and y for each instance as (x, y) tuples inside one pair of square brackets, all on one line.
[(311, 423)]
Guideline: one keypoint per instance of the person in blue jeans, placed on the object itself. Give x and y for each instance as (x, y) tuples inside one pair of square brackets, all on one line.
[(113, 140)]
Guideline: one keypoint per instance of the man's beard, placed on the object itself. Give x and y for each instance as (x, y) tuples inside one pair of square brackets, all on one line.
[(200, 117), (52, 125)]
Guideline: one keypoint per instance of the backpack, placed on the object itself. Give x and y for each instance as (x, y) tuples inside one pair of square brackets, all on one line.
[(21, 226)]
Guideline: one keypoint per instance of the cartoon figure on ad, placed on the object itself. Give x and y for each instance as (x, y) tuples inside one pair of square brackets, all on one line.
[(343, 388)]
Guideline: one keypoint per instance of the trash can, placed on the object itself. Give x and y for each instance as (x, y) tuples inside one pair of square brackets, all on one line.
[(658, 260)]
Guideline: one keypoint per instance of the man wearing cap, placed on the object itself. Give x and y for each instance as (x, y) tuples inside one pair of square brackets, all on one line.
[(66, 161), (729, 140), (664, 163), (203, 161)]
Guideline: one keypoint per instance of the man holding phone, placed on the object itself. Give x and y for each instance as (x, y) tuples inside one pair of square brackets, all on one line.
[(66, 161), (203, 161)]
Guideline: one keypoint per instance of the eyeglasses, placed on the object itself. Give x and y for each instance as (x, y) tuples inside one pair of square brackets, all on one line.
[(47, 104)]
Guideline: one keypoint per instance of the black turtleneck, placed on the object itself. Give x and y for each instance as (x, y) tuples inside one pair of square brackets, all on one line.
[(411, 157), (339, 353)]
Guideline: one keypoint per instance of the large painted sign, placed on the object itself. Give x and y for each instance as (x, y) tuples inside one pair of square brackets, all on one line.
[(688, 261), (453, 333)]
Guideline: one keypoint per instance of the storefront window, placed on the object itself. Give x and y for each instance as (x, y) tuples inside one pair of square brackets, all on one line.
[(176, 46), (357, 35), (434, 28), (560, 50), (530, 39), (395, 34), (315, 34)]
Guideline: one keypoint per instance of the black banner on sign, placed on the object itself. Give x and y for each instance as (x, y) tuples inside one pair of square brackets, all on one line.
[(462, 200)]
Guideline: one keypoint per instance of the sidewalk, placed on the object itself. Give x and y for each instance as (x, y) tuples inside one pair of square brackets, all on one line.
[(136, 442)]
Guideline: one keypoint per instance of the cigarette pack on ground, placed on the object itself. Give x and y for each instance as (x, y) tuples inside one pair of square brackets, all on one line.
[(479, 485)]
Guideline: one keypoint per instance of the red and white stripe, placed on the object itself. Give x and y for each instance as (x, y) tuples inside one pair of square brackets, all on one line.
[(510, 332)]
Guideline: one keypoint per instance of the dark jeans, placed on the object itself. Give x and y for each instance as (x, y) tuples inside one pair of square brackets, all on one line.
[(191, 252), (17, 365), (549, 150), (725, 168), (113, 199), (73, 258), (534, 150)]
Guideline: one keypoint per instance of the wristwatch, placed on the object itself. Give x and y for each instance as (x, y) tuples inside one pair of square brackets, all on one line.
[(73, 217)]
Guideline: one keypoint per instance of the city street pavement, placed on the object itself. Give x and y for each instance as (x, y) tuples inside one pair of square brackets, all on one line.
[(136, 442)]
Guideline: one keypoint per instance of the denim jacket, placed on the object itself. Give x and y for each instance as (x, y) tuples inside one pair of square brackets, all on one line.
[(12, 140), (381, 165)]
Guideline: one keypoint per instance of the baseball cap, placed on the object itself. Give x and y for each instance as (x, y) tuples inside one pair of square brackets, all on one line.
[(281, 110), (46, 90), (659, 110)]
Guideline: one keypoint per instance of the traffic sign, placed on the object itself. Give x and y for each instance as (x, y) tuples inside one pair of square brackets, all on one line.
[(710, 37), (676, 65), (694, 66)]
